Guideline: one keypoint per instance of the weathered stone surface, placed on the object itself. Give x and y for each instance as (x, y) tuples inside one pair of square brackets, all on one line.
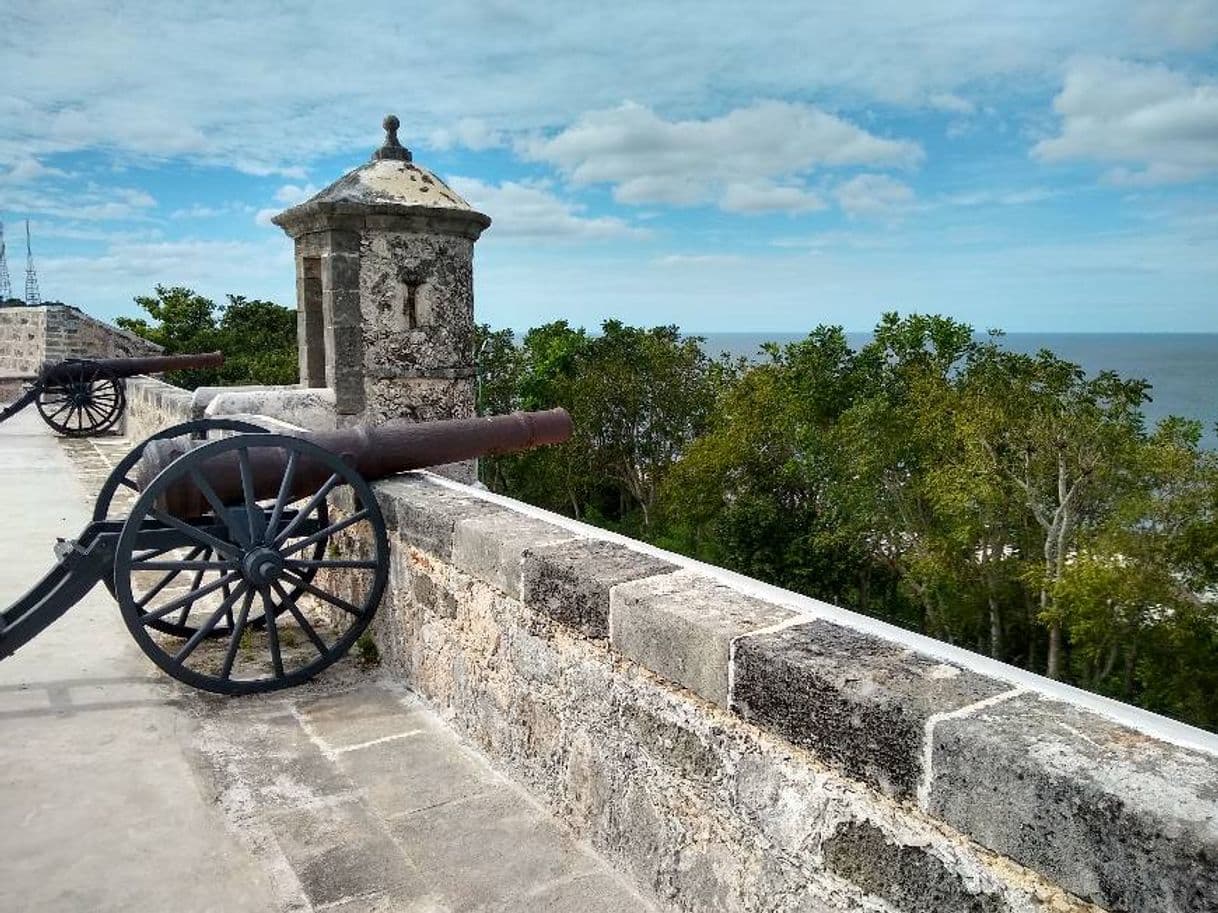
[(490, 852), (570, 582), (682, 625), (698, 807), (858, 701), (1122, 819), (490, 548), (339, 850), (426, 514), (907, 877), (424, 768), (312, 408)]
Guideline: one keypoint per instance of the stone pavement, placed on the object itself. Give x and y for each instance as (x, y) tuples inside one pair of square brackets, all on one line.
[(122, 790)]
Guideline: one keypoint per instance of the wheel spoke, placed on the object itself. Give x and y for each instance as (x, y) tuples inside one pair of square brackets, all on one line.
[(129, 484), (199, 535), (200, 635), (234, 640), (153, 553), (336, 601), (314, 501), (282, 499), (218, 508), (255, 514), (300, 619), (272, 632), (188, 565), (194, 585), (325, 533), (162, 611), (166, 580)]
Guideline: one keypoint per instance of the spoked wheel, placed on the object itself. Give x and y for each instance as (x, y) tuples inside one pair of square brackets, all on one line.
[(120, 490), (84, 399), (265, 552)]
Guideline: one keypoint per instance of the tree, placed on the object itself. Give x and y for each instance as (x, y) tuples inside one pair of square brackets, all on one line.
[(258, 338)]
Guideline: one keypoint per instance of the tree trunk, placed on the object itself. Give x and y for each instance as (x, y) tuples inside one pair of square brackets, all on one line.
[(1053, 668), (995, 628)]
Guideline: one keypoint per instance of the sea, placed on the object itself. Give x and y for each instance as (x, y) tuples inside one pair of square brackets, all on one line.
[(1181, 367)]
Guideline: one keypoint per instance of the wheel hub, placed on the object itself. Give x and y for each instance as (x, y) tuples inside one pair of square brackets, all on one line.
[(262, 566)]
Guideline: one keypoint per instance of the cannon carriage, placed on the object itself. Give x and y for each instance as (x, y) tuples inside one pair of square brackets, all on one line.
[(250, 561), (82, 397)]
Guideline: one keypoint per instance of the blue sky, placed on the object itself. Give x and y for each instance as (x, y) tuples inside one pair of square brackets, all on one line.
[(1032, 166)]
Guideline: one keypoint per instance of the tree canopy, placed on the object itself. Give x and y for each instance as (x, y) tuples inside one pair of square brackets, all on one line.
[(258, 338)]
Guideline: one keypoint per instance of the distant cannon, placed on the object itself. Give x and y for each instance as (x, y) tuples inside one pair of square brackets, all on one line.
[(238, 569), (80, 397)]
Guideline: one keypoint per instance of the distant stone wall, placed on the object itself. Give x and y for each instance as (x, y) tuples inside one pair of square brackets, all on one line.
[(71, 333), (736, 747), (30, 336), (22, 340)]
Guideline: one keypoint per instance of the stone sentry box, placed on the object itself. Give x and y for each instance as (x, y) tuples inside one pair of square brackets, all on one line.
[(385, 299)]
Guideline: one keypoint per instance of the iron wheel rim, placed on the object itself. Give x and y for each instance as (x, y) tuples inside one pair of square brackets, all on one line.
[(280, 606), (87, 402)]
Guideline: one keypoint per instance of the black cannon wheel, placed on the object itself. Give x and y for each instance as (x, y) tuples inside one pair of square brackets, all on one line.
[(309, 624), (83, 400), (121, 480)]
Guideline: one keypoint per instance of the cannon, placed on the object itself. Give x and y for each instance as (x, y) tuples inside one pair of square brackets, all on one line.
[(80, 397), (249, 561)]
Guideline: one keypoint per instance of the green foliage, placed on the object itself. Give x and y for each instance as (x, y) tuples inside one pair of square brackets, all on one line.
[(1007, 503), (258, 338)]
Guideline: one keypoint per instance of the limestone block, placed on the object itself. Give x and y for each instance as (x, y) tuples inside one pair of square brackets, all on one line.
[(311, 408), (491, 548), (858, 701), (907, 877), (571, 581), (426, 514), (682, 625), (1120, 818)]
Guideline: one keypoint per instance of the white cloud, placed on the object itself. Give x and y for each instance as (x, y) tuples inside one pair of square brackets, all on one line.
[(27, 170), (470, 132), (648, 159), (695, 260), (106, 282), (1021, 197), (291, 194), (767, 197), (951, 103), (873, 195), (90, 203), (1186, 24), (1152, 124), (258, 91), (522, 210), (209, 211)]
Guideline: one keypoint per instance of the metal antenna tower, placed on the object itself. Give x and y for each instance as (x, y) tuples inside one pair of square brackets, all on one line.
[(32, 297), (6, 286)]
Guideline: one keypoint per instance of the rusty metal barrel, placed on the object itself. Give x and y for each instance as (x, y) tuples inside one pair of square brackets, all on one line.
[(375, 451), (59, 372)]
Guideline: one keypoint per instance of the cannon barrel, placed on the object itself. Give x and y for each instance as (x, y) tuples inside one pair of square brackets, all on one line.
[(130, 367), (375, 451)]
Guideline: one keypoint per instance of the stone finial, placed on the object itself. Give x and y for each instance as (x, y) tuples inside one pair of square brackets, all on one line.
[(392, 148)]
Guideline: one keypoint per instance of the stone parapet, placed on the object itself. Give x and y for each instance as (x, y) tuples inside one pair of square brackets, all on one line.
[(734, 746), (875, 766)]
